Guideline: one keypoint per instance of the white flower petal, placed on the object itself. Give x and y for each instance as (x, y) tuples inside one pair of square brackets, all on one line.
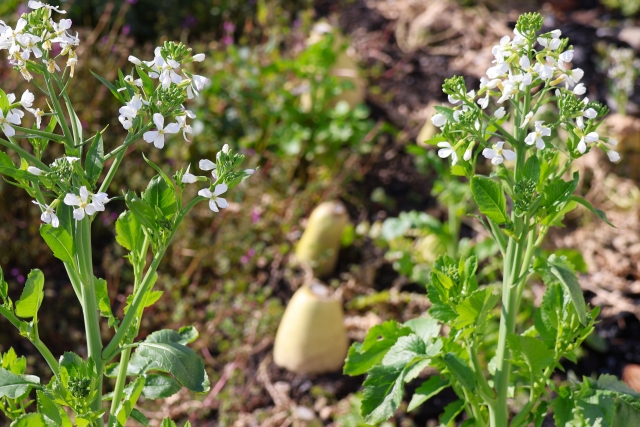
[(220, 189), (206, 165)]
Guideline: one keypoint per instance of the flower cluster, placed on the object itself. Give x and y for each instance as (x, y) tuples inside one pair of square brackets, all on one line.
[(175, 85), (31, 43), (623, 70), (527, 69)]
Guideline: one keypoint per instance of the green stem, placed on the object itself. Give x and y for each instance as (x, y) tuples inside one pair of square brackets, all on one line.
[(118, 391), (89, 304), (453, 229), (42, 348), (24, 154), (58, 109)]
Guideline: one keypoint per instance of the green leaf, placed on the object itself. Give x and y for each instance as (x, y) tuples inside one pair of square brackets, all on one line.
[(570, 282), (4, 102), (451, 411), (60, 242), (184, 336), (14, 386), (379, 339), (167, 423), (129, 234), (53, 414), (32, 295), (104, 303), (442, 312), (95, 159), (473, 310), (131, 394), (558, 191), (490, 199), (404, 350), (427, 390), (426, 328), (625, 414), (159, 170), (161, 195), (180, 361), (158, 386), (112, 88), (139, 417), (533, 351), (532, 169), (461, 371), (147, 83), (382, 393), (141, 210), (29, 420), (600, 214)]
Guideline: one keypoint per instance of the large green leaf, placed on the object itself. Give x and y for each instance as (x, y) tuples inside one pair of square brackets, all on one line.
[(60, 242), (625, 414), (426, 328), (461, 371), (382, 393), (161, 195), (29, 420), (54, 414), (32, 295), (427, 390), (141, 210), (158, 386), (379, 339), (569, 280), (14, 386), (533, 351), (532, 169), (129, 233), (451, 411), (474, 309), (490, 198), (180, 361), (183, 336), (405, 350), (95, 159)]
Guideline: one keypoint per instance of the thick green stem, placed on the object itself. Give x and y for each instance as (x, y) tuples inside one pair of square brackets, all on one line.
[(118, 391), (89, 304), (42, 348)]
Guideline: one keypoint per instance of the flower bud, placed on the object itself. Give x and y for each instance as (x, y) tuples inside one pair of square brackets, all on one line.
[(199, 57), (134, 60)]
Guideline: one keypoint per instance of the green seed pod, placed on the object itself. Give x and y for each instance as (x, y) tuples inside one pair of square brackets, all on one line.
[(311, 338), (319, 245)]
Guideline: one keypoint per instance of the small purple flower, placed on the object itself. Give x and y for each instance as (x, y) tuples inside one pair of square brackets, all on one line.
[(255, 216), (244, 259), (132, 1), (20, 279), (15, 272), (228, 27), (126, 29), (227, 40)]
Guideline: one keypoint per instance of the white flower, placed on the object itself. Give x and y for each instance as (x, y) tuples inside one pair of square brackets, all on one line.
[(130, 111), (38, 4), (508, 90), (489, 84), (544, 71), (590, 113), (498, 154), (6, 122), (497, 70), (84, 206), (72, 61), (500, 112), (215, 201), (166, 68), (134, 60), (613, 142), (208, 165), (439, 120), (484, 102), (613, 155), (453, 99), (249, 171), (199, 57), (182, 121), (526, 120), (196, 84), (52, 67), (157, 136), (27, 99), (591, 137), (580, 89), (35, 171), (536, 136), (99, 200), (447, 150), (188, 178), (48, 215), (225, 148), (467, 155), (566, 56)]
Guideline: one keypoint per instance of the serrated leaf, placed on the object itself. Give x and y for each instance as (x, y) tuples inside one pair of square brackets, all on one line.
[(379, 339), (461, 371), (426, 328), (427, 390), (60, 242), (159, 386), (184, 336), (382, 393), (405, 350), (14, 386), (442, 312), (569, 280), (473, 310), (29, 420), (533, 351), (451, 411), (32, 295), (95, 159), (490, 199), (180, 361)]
